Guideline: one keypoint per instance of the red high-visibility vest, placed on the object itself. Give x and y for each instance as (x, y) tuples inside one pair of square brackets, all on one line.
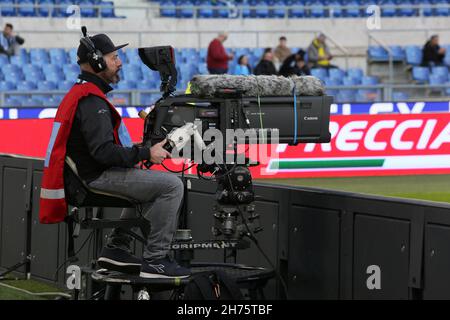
[(53, 205)]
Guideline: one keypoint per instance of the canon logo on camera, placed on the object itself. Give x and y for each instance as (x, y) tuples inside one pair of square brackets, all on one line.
[(311, 118)]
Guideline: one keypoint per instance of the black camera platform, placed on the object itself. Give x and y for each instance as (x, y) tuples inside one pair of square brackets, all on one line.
[(253, 279)]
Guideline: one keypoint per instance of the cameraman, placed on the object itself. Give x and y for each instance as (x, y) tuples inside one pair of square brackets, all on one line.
[(101, 149), (9, 42)]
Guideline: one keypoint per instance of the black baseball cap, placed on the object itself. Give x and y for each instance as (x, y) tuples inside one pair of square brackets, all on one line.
[(101, 42)]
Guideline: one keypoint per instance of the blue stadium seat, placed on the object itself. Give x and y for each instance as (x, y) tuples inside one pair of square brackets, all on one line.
[(398, 54), (420, 74), (206, 10), (413, 55), (46, 85), (65, 85), (262, 10), (26, 86), (399, 96), (58, 56), (45, 8), (426, 8), (12, 102), (18, 60), (13, 75), (377, 54), (221, 11), (406, 11), (87, 8), (34, 75), (39, 56), (126, 85), (8, 8), (107, 9), (436, 79), (320, 73), (336, 73), (279, 10), (369, 80), (441, 72), (3, 59), (186, 9), (297, 10), (443, 10), (388, 9), (168, 9), (351, 81), (73, 55), (332, 82), (346, 96), (336, 9), (7, 86), (26, 8), (352, 9), (357, 73), (32, 103), (317, 10)]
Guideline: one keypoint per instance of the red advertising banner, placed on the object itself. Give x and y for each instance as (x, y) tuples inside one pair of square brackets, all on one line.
[(391, 144)]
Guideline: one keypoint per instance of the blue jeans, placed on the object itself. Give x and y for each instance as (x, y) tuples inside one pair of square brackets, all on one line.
[(159, 192)]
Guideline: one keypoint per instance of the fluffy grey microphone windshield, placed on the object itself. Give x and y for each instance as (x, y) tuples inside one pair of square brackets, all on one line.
[(207, 85)]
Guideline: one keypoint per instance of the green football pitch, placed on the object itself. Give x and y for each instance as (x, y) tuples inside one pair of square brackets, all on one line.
[(422, 187)]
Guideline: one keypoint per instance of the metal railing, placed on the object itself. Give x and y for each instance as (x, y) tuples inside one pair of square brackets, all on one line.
[(390, 55), (240, 11), (379, 92)]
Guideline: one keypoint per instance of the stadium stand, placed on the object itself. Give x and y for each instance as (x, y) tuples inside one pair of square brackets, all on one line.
[(56, 8), (261, 9), (40, 70)]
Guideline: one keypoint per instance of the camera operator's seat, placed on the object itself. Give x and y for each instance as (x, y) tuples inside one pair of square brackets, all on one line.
[(80, 195)]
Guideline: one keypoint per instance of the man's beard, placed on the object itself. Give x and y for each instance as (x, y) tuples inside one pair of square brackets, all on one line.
[(112, 77)]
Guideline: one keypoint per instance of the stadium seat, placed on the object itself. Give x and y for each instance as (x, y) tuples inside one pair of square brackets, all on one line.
[(65, 85), (369, 80), (357, 73), (206, 9), (399, 96), (46, 85), (348, 81), (278, 11), (388, 9), (420, 74), (107, 9), (45, 8), (7, 86), (32, 103), (398, 54), (297, 10), (26, 86), (413, 55), (336, 73), (168, 9), (8, 8), (441, 72), (352, 9), (12, 102), (346, 96), (320, 73), (377, 54), (317, 10), (186, 9), (87, 8), (443, 10), (26, 8)]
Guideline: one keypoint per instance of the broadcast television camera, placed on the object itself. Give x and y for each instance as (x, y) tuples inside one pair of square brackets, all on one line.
[(276, 119)]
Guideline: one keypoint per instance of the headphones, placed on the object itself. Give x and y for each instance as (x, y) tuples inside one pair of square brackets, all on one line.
[(94, 56)]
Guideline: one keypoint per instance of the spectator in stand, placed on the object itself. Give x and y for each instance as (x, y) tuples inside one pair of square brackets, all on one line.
[(217, 57), (433, 54), (319, 54), (243, 68), (9, 43), (281, 51), (295, 65), (265, 65)]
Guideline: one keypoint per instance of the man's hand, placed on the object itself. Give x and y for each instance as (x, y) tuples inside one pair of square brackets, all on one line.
[(441, 51), (158, 153)]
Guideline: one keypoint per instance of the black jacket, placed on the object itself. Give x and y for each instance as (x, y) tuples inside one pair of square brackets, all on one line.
[(91, 141), (289, 68), (265, 67), (431, 54)]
